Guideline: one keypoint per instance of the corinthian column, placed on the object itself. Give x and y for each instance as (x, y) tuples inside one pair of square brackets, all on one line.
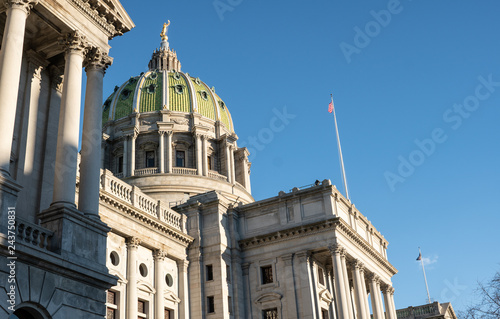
[(182, 266), (159, 257), (204, 155), (88, 198), (375, 296), (199, 164), (170, 156), (69, 121), (340, 291), (358, 290), (10, 73), (132, 245)]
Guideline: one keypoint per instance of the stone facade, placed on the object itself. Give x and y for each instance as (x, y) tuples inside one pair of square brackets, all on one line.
[(155, 217)]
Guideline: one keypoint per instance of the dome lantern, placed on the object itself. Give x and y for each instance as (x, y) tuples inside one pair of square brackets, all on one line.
[(164, 59)]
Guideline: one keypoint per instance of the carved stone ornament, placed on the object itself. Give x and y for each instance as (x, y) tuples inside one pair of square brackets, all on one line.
[(97, 59), (74, 41), (335, 249), (22, 4), (133, 242), (56, 78), (160, 254)]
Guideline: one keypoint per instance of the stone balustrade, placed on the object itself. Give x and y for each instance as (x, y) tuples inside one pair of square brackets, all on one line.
[(33, 235), (184, 171), (133, 196), (217, 176), (146, 171)]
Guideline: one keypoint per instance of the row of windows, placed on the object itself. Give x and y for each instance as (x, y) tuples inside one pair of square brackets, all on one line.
[(180, 160), (210, 273), (142, 306)]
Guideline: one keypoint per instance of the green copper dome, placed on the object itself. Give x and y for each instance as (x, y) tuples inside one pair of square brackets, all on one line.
[(165, 90)]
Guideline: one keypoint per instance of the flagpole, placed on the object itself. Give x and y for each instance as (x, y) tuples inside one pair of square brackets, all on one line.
[(340, 150), (425, 278)]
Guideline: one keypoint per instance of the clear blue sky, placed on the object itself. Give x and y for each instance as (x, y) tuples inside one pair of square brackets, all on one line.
[(407, 80)]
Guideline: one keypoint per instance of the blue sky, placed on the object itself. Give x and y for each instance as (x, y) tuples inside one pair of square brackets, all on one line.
[(416, 89)]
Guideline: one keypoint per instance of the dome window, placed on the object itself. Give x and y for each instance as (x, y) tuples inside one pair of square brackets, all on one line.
[(125, 94), (222, 104), (153, 75), (132, 80), (204, 95), (151, 88), (198, 81), (179, 89), (107, 103), (177, 76)]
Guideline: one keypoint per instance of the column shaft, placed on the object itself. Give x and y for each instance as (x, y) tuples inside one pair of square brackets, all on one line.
[(380, 302), (393, 305), (340, 292), (231, 161), (182, 267), (387, 304), (170, 154), (358, 291), (364, 293), (159, 257), (199, 165), (162, 152), (88, 200), (291, 302), (228, 163), (132, 154), (375, 297), (69, 121), (132, 245), (347, 286), (125, 156), (10, 74), (204, 155)]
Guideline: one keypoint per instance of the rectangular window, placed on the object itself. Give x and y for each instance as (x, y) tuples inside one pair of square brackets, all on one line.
[(111, 305), (324, 314), (210, 272), (230, 304), (180, 159), (270, 313), (228, 273), (267, 274), (321, 277), (209, 161), (169, 314), (150, 159), (119, 165), (210, 304), (141, 309)]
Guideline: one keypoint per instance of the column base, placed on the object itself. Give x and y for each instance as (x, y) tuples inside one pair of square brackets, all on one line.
[(76, 236)]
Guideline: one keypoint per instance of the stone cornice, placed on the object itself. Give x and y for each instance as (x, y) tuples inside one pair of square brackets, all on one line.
[(101, 15), (336, 224), (147, 221)]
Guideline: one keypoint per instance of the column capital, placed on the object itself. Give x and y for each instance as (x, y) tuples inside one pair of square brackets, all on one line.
[(96, 59), (373, 277), (304, 255), (25, 5), (335, 249), (161, 133), (356, 263), (133, 242), (182, 264), (159, 254), (74, 41)]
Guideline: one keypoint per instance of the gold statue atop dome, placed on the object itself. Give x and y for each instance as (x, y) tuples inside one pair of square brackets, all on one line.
[(164, 32)]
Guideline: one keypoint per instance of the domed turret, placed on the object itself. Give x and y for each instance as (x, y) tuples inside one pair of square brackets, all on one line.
[(170, 134)]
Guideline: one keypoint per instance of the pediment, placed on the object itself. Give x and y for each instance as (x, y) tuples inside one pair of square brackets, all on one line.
[(121, 278), (170, 295), (146, 287)]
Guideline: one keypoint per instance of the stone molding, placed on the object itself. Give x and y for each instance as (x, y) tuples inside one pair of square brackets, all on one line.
[(287, 259)]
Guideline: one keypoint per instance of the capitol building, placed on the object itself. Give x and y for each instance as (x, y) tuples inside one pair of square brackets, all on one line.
[(154, 216)]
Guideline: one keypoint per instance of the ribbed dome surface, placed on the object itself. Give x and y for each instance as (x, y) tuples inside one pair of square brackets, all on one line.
[(166, 90)]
